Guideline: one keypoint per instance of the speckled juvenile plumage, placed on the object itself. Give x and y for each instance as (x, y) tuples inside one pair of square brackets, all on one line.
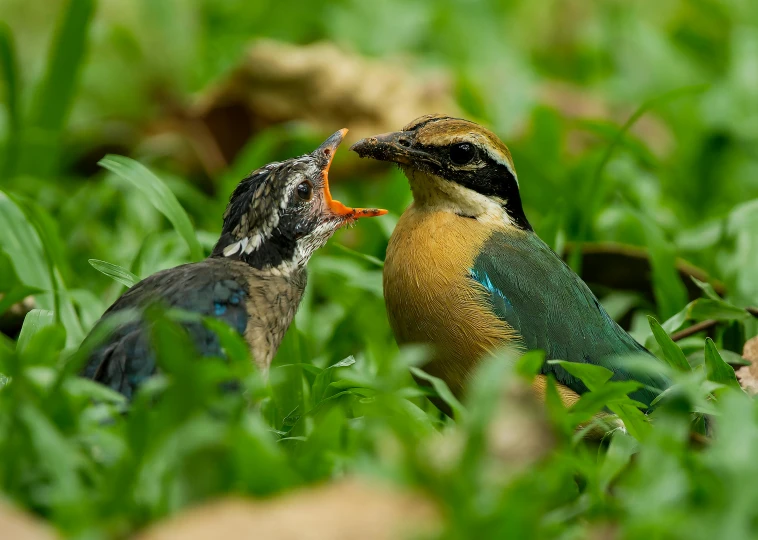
[(259, 305), (466, 273), (253, 280)]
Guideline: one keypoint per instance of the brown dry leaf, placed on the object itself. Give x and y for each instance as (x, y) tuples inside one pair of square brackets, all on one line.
[(603, 531), (748, 375), (319, 84), (18, 525), (347, 509), (518, 435)]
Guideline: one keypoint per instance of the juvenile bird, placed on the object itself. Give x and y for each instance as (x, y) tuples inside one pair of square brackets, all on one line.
[(254, 278), (466, 273)]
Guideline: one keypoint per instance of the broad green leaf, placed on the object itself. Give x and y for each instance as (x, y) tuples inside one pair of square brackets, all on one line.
[(617, 457), (706, 308), (10, 78), (715, 367), (593, 402), (675, 322), (34, 321), (591, 375), (115, 272), (635, 421), (443, 391), (79, 386), (53, 249), (159, 196), (62, 464), (44, 347), (233, 344), (671, 325), (556, 409), (697, 358), (287, 381), (742, 227), (671, 351), (530, 363), (21, 242), (707, 288), (89, 305), (324, 377)]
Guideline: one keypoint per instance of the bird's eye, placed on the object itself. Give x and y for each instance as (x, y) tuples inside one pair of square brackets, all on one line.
[(305, 191), (462, 153)]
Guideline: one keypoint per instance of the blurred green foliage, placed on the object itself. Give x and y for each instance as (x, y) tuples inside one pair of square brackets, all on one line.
[(650, 141)]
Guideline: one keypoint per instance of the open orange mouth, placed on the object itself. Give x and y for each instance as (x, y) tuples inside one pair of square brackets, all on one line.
[(329, 148)]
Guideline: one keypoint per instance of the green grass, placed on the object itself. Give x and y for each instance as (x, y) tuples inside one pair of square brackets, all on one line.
[(671, 170)]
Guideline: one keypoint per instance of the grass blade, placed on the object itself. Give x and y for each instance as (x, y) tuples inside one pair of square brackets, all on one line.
[(159, 195), (592, 375), (718, 371), (40, 151), (443, 391), (588, 215), (668, 288), (66, 54), (358, 255), (34, 321), (671, 351), (20, 241), (53, 250), (9, 69), (115, 272)]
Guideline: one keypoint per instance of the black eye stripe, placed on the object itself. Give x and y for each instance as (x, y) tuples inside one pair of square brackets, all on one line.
[(490, 178)]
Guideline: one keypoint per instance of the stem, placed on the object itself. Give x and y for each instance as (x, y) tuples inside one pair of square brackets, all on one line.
[(705, 325)]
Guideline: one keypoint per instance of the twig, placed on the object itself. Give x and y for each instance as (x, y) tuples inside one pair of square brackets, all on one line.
[(694, 329), (705, 325)]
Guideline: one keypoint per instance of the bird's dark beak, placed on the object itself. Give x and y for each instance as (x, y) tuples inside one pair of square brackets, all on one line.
[(395, 147), (326, 152)]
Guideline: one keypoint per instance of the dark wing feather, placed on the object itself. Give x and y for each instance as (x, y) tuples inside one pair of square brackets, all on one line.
[(208, 288), (536, 293)]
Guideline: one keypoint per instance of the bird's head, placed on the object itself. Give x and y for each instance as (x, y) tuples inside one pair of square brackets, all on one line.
[(283, 212), (453, 165)]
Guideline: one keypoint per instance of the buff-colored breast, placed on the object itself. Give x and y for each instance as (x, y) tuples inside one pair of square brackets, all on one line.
[(431, 298)]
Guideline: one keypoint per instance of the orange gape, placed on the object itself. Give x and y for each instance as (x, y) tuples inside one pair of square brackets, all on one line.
[(335, 206)]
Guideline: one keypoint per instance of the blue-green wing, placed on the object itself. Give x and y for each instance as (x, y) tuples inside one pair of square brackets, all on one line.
[(536, 293), (126, 359)]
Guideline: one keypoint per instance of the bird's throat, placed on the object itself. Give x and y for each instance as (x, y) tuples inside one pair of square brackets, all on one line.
[(434, 194)]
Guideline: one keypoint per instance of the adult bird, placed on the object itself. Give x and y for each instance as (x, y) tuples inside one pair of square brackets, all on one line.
[(254, 278), (466, 273)]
